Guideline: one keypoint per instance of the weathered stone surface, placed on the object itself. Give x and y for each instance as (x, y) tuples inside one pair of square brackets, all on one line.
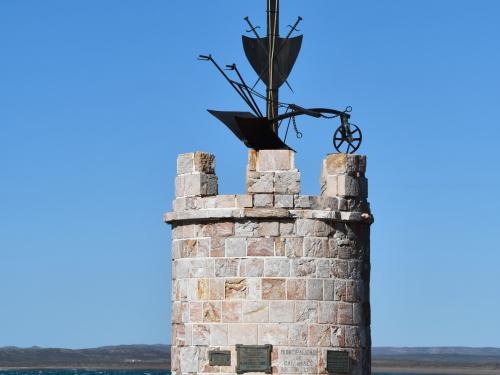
[(246, 228), (294, 247), (298, 334), (319, 335), (327, 312), (185, 163), (196, 184), (196, 312), (254, 292), (273, 289), (236, 288), (263, 200), (236, 247), (268, 228), (338, 336), (344, 313), (283, 201), (306, 311), (255, 312), (344, 164), (201, 334), (274, 334), (226, 267), (204, 162), (244, 201), (260, 183), (218, 334), (244, 334), (275, 160), (216, 289), (314, 289), (315, 247), (302, 267), (287, 183), (295, 289), (188, 359), (281, 311), (277, 267), (252, 267), (260, 247), (232, 311)]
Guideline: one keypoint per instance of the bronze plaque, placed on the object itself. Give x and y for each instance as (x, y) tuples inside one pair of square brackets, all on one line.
[(337, 362), (219, 358), (253, 358)]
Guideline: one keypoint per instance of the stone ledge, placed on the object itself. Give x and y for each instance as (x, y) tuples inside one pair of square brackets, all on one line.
[(265, 213)]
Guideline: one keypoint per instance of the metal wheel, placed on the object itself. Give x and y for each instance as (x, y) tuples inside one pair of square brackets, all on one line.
[(347, 139)]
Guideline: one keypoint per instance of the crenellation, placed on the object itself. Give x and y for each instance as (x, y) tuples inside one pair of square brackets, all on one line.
[(270, 266)]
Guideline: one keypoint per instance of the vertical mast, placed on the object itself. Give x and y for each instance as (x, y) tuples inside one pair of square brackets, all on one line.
[(273, 38)]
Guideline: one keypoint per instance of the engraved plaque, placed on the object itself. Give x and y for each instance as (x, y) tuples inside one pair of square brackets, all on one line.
[(253, 358), (219, 358), (337, 362), (298, 361)]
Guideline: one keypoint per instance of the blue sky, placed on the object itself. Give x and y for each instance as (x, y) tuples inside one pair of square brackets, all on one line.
[(98, 97)]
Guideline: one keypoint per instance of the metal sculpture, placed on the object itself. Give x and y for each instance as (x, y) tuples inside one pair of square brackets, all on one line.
[(273, 58)]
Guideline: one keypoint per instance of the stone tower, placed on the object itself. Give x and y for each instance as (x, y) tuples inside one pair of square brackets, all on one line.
[(271, 281)]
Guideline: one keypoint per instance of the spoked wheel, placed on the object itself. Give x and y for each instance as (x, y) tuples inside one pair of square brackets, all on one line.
[(347, 139)]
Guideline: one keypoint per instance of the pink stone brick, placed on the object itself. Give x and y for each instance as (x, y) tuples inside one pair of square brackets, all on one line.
[(203, 290), (260, 247), (255, 311), (231, 312), (273, 289), (245, 334), (196, 312), (203, 247), (216, 289), (201, 334), (268, 228), (286, 228), (274, 334), (252, 267), (295, 289), (306, 311), (224, 229), (211, 312), (319, 335), (340, 290), (217, 247), (263, 200)]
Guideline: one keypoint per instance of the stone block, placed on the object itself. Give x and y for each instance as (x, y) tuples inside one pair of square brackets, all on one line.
[(254, 291), (201, 334), (315, 247), (294, 247), (329, 290), (268, 229), (339, 268), (252, 267), (314, 289), (185, 163), (227, 267), (260, 183), (281, 311), (306, 311), (188, 359), (204, 162), (295, 289), (196, 312), (274, 334), (340, 290), (344, 313), (352, 337), (327, 312), (303, 201), (236, 247), (260, 247), (218, 334), (303, 267), (298, 334), (236, 288), (348, 186), (275, 160), (319, 335), (246, 228), (338, 336), (252, 160), (323, 268), (273, 289), (202, 289), (255, 311), (286, 228), (232, 311), (313, 227), (279, 247), (202, 268), (263, 200), (216, 289), (244, 334), (287, 183), (283, 201), (244, 201), (277, 267), (197, 184), (344, 164)]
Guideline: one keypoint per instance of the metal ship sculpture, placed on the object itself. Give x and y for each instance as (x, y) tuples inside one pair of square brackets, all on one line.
[(273, 57)]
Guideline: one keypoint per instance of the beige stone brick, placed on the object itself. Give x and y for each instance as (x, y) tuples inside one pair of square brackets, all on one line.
[(339, 269), (277, 267), (203, 249), (211, 312), (314, 289), (252, 160), (189, 248), (303, 267), (279, 247), (273, 289), (216, 289), (287, 183), (218, 334), (232, 311), (203, 289), (176, 312), (340, 290), (204, 162), (224, 228), (294, 247), (283, 201), (274, 334), (275, 160), (306, 311), (323, 268), (286, 228), (244, 201), (217, 247), (281, 311), (246, 229), (344, 313), (252, 267), (260, 247), (268, 228), (254, 292), (196, 312), (202, 268), (298, 334), (260, 183), (313, 227), (338, 336), (295, 289), (327, 312), (319, 335), (315, 247), (255, 311), (344, 164), (236, 288), (226, 267), (182, 268), (201, 334), (244, 334), (236, 247), (185, 163), (263, 200), (188, 359), (196, 184), (348, 186)]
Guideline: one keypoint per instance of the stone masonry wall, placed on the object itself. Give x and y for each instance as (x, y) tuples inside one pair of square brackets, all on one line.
[(271, 266)]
